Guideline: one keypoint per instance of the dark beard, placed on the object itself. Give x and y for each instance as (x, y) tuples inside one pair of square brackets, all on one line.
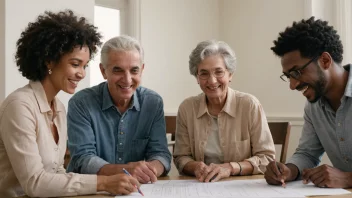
[(319, 86)]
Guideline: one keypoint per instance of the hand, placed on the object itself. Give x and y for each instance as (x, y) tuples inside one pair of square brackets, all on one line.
[(277, 173), (145, 172), (201, 171), (218, 171), (117, 184), (327, 176)]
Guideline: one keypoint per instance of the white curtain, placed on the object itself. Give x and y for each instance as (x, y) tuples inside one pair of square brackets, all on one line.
[(339, 15)]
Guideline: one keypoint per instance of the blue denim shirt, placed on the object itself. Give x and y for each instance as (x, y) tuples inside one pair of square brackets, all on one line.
[(325, 130), (98, 134)]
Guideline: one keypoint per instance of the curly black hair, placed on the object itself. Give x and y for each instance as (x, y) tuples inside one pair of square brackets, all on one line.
[(311, 37), (50, 37)]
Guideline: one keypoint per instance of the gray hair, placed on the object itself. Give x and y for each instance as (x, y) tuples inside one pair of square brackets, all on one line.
[(209, 48), (120, 43)]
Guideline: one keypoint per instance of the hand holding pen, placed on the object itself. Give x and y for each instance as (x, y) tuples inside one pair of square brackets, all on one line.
[(276, 173), (127, 173), (283, 184)]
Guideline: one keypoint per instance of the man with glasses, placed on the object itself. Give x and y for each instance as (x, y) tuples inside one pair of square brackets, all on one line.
[(119, 124), (311, 56)]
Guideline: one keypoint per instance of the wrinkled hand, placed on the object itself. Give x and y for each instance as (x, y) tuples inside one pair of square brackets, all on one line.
[(145, 172), (200, 170), (205, 173), (218, 172), (327, 176), (120, 184), (275, 176)]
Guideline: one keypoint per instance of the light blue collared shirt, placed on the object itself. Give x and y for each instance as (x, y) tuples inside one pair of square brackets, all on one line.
[(98, 134), (325, 130)]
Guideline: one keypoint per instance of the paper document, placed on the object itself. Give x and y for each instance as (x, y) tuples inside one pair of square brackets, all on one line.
[(235, 188)]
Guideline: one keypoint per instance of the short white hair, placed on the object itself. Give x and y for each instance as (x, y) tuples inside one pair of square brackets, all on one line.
[(209, 48), (120, 43)]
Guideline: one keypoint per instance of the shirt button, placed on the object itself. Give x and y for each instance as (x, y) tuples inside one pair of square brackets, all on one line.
[(121, 120), (341, 139), (55, 149), (120, 159), (120, 143), (121, 133), (338, 124)]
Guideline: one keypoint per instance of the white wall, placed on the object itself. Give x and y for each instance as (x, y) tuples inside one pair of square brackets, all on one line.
[(250, 27), (170, 30), (15, 23)]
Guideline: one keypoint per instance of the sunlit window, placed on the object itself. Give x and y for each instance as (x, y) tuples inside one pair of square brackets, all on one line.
[(108, 22)]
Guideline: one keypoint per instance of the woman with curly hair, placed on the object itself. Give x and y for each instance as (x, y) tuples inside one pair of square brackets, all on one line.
[(53, 53)]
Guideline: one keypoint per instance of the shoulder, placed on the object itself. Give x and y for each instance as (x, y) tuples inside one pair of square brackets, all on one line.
[(18, 100), (191, 105), (144, 94), (244, 98), (89, 94), (192, 101)]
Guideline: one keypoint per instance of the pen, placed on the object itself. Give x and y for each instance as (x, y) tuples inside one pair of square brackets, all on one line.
[(213, 177), (127, 173), (282, 180)]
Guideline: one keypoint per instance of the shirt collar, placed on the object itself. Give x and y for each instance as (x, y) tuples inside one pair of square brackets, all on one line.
[(41, 98), (107, 100), (229, 106), (348, 89)]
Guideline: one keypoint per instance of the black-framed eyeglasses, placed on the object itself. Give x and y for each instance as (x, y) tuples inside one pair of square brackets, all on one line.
[(296, 74), (204, 75)]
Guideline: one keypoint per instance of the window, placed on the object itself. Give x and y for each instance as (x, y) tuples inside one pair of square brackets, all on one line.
[(108, 22)]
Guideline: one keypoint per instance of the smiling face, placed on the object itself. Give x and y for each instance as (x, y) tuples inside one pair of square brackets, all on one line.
[(312, 82), (69, 70), (123, 73), (214, 88)]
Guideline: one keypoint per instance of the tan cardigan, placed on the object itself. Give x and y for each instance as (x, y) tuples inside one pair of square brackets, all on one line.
[(243, 131)]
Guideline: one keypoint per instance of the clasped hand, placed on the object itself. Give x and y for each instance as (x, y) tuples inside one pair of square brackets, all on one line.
[(145, 172), (205, 173)]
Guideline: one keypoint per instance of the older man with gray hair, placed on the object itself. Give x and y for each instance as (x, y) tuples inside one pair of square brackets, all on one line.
[(118, 124)]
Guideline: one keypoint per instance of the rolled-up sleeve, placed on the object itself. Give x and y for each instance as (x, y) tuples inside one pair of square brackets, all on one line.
[(157, 146), (309, 151), (19, 135), (182, 153), (263, 148), (82, 141)]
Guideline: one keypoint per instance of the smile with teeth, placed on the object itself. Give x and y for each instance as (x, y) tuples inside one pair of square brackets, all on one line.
[(125, 87), (304, 89), (214, 87), (75, 82)]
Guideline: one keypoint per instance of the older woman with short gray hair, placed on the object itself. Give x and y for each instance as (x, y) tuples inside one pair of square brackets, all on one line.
[(221, 132)]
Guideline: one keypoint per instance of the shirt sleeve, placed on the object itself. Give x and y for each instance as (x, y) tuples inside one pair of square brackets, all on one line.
[(157, 146), (18, 131), (309, 151), (81, 141), (263, 148), (182, 153)]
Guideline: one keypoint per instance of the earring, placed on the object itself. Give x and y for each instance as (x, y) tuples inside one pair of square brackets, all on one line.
[(50, 72)]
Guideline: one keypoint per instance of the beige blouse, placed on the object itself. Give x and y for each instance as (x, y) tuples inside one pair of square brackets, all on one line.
[(243, 131), (30, 160)]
